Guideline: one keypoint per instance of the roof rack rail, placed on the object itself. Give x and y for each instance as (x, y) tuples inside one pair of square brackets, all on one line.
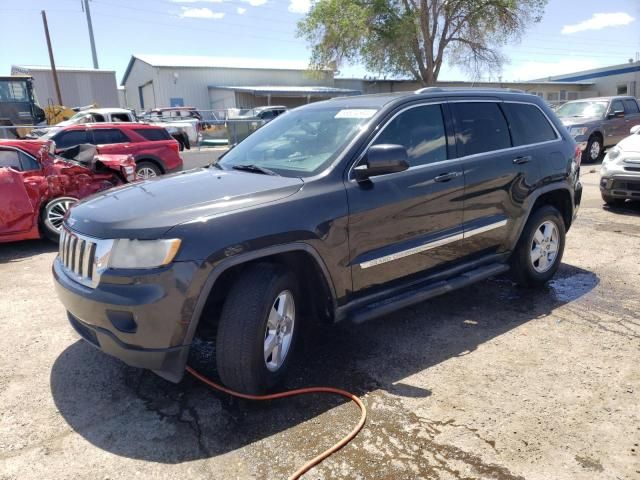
[(428, 89), (458, 89)]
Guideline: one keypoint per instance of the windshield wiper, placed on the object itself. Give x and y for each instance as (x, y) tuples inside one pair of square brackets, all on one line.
[(254, 169)]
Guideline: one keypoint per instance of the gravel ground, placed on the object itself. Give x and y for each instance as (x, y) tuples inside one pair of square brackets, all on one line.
[(489, 382)]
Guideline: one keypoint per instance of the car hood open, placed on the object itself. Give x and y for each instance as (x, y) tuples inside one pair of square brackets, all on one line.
[(146, 210)]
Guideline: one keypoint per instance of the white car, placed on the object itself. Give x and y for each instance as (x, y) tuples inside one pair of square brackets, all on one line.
[(620, 170)]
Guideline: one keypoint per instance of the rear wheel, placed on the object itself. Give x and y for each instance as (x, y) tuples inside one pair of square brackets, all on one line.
[(539, 251), (146, 170), (258, 329), (52, 216)]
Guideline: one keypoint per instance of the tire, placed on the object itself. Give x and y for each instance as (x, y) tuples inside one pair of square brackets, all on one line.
[(52, 215), (186, 142), (594, 150), (146, 170), (612, 201), (527, 271), (245, 327)]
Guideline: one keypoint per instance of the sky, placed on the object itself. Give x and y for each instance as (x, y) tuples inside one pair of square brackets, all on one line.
[(573, 34)]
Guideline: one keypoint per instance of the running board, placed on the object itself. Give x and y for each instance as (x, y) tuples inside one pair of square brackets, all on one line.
[(424, 292)]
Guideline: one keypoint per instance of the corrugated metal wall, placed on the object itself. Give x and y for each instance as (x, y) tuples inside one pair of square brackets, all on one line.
[(78, 88), (190, 85)]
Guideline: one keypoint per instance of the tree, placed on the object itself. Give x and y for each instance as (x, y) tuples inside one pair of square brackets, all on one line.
[(414, 37)]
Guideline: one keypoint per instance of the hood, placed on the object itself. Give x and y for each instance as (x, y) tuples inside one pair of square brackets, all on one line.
[(146, 210), (572, 121), (630, 144)]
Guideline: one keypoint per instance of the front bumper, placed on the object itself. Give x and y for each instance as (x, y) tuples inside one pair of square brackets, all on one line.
[(141, 319), (621, 186)]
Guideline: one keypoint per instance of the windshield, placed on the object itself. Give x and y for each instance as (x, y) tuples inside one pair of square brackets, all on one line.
[(582, 109), (51, 132), (301, 143)]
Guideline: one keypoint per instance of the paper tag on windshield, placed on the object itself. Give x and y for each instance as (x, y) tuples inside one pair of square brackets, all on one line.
[(355, 113)]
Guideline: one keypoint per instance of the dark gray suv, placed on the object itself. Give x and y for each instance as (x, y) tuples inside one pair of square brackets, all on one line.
[(342, 210)]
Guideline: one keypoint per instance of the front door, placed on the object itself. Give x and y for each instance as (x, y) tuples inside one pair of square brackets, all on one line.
[(16, 209), (616, 127), (406, 222)]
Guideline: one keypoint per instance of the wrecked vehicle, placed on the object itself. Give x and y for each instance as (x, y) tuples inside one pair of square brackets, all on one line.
[(37, 187)]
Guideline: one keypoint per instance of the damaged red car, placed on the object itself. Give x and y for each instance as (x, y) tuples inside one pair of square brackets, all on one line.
[(37, 187)]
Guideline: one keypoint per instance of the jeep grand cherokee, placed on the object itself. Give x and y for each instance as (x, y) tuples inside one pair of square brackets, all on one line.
[(346, 209)]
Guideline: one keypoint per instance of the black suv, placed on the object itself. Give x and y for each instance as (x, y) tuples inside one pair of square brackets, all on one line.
[(346, 209)]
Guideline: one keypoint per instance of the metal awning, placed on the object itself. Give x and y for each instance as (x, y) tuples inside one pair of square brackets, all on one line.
[(291, 91)]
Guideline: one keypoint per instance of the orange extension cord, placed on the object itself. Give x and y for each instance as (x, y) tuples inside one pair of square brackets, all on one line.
[(300, 391)]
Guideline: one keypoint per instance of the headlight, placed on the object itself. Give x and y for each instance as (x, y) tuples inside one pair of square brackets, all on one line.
[(143, 253), (577, 131), (613, 154)]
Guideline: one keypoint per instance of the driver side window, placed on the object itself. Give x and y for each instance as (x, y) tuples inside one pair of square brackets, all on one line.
[(421, 131), (10, 159)]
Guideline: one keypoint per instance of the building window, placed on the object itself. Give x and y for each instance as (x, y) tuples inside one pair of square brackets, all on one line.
[(553, 96), (563, 94), (622, 89), (572, 95)]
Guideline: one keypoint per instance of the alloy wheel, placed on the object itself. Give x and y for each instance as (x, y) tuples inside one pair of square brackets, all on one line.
[(145, 173), (57, 211), (544, 246), (279, 330)]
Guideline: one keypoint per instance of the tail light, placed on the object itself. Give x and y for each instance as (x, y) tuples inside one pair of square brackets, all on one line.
[(577, 156)]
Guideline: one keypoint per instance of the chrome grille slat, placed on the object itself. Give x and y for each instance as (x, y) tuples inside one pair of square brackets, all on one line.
[(78, 254)]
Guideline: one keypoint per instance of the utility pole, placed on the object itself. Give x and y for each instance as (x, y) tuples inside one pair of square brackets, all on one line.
[(53, 63), (91, 39)]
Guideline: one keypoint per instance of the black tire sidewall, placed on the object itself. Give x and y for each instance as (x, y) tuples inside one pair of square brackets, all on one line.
[(526, 274), (253, 327), (587, 153)]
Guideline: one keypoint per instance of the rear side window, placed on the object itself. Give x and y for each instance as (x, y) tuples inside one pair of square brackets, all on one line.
[(71, 138), (104, 136), (528, 124), (481, 127), (631, 106), (616, 106), (421, 131), (153, 134)]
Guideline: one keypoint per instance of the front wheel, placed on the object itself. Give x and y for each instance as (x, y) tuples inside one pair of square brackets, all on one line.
[(52, 216), (539, 251), (258, 329), (594, 150)]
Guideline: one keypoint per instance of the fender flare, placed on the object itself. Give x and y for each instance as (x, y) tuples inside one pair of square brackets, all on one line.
[(230, 262), (145, 157)]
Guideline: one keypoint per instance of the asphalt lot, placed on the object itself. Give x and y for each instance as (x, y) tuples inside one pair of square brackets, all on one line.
[(489, 382)]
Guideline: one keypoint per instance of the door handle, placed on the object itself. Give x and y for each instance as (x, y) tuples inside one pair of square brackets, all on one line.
[(445, 177), (522, 160)]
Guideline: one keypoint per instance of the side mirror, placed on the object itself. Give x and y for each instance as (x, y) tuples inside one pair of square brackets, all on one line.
[(381, 160), (635, 129), (617, 114)]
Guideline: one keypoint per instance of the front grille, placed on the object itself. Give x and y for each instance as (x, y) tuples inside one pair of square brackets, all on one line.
[(624, 185), (83, 258), (632, 169)]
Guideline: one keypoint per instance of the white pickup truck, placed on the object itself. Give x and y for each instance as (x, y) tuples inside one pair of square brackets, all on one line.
[(183, 123)]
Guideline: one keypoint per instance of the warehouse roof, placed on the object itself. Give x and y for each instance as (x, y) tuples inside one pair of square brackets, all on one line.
[(189, 61), (47, 68), (292, 91)]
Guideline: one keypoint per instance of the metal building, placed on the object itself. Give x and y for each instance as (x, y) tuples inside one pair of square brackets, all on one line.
[(79, 87), (210, 83)]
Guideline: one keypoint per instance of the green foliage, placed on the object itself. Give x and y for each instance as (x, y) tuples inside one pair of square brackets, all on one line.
[(414, 37)]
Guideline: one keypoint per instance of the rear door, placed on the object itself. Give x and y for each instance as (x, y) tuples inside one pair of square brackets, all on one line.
[(407, 222), (500, 170), (110, 140), (616, 128), (16, 208)]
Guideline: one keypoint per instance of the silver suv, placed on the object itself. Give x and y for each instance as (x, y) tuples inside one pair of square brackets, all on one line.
[(598, 123)]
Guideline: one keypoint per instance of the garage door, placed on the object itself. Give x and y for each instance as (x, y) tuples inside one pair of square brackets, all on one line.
[(147, 96)]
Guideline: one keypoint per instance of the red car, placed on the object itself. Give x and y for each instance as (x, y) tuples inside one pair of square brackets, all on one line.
[(37, 187), (154, 150)]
